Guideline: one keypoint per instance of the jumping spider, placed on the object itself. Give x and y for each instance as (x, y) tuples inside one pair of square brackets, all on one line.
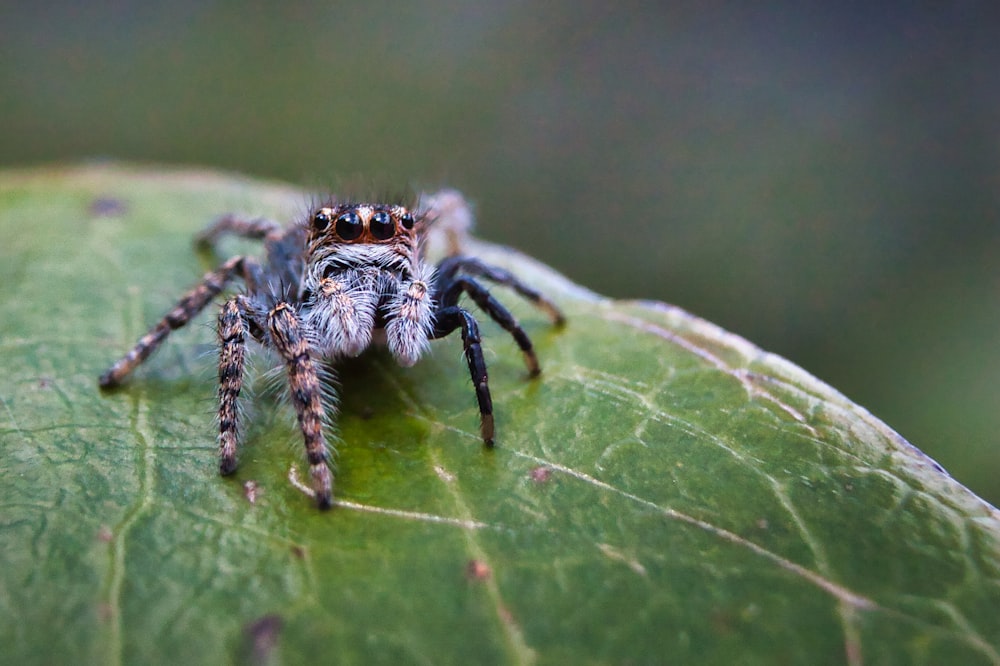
[(349, 276)]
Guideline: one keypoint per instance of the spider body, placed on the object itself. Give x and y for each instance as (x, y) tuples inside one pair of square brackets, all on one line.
[(350, 276)]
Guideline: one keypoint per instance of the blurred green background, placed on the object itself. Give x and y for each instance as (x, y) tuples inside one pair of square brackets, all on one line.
[(822, 180)]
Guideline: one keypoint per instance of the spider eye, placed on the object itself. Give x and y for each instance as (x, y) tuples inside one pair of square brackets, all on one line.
[(381, 226), (407, 221), (322, 219), (349, 226)]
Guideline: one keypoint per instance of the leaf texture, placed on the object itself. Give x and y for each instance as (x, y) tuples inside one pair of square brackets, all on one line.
[(664, 493)]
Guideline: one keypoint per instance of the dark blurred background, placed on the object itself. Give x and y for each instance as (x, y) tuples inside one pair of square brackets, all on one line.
[(823, 180)]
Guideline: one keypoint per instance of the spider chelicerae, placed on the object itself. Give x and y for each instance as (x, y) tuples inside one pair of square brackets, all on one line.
[(351, 275)]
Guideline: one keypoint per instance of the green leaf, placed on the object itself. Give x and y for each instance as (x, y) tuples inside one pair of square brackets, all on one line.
[(664, 493)]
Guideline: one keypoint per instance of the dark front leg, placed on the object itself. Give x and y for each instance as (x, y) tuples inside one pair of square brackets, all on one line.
[(497, 312), (448, 319), (449, 268)]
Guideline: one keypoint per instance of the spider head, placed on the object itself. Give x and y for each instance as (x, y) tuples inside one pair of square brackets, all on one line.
[(362, 223)]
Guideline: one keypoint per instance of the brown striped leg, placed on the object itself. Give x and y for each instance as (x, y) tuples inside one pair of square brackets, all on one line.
[(286, 334), (189, 306), (233, 327), (257, 228)]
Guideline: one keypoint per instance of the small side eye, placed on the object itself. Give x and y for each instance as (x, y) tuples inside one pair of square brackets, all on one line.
[(407, 221), (381, 226), (349, 226), (322, 219)]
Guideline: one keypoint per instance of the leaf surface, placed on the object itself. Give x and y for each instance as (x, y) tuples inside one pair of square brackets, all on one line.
[(665, 493)]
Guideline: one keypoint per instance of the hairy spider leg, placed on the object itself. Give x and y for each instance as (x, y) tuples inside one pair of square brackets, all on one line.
[(285, 330), (283, 246), (446, 320), (190, 305), (450, 267), (256, 228), (233, 327), (497, 312)]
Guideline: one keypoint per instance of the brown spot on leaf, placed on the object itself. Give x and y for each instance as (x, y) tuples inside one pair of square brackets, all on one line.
[(262, 638), (722, 621), (541, 474), (107, 206), (105, 612), (477, 570)]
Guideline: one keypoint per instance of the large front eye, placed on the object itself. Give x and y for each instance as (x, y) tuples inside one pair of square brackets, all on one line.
[(322, 219), (381, 226), (349, 226)]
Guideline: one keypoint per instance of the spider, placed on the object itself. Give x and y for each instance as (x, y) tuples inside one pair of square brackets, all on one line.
[(349, 276)]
